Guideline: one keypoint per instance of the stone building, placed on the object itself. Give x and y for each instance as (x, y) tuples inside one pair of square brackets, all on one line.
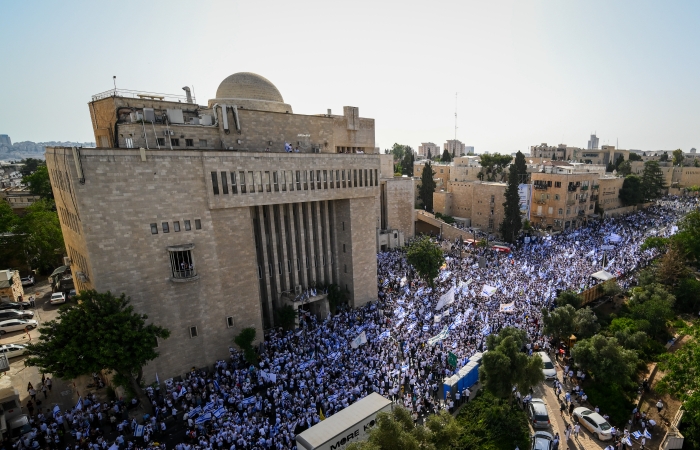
[(424, 147), (454, 146), (562, 200), (608, 194), (477, 204), (213, 217), (11, 289)]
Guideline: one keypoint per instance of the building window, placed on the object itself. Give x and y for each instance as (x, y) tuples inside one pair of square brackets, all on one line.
[(129, 142), (193, 332), (176, 226), (266, 180), (189, 142), (241, 179), (275, 181), (234, 187), (561, 212), (343, 248), (229, 321), (345, 267), (166, 228), (188, 227), (175, 142), (224, 183), (181, 262), (556, 196), (557, 184), (215, 183), (260, 274), (154, 228), (202, 143), (161, 141), (197, 224)]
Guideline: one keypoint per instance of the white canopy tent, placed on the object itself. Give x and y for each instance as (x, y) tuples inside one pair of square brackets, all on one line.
[(602, 275)]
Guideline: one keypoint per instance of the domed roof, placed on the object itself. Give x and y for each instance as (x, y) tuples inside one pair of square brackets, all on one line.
[(247, 85)]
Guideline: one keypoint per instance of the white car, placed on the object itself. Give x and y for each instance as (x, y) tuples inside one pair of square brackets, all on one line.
[(7, 326), (12, 350), (57, 298), (548, 369), (594, 422), (27, 281)]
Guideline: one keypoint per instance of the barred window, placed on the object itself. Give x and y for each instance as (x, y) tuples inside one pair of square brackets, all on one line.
[(182, 263)]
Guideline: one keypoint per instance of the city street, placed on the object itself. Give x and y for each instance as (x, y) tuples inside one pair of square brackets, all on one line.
[(19, 376)]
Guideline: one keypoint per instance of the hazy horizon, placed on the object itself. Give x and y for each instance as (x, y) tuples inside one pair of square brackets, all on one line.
[(526, 72)]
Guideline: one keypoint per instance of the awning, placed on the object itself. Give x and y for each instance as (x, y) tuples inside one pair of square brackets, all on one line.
[(603, 275)]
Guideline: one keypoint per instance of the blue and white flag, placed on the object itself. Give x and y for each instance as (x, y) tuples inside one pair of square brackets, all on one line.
[(139, 430), (627, 441), (195, 412), (216, 385), (386, 282), (219, 412), (56, 410), (647, 434), (426, 327), (251, 400), (404, 367), (384, 335), (79, 405), (486, 330), (636, 434), (411, 326), (182, 391), (209, 406), (204, 418)]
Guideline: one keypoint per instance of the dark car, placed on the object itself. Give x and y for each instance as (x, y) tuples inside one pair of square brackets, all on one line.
[(13, 305)]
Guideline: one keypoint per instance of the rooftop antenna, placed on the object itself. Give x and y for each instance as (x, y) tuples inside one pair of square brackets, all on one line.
[(455, 142), (114, 80)]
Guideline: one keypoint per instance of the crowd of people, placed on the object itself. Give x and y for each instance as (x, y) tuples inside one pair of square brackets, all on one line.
[(397, 346)]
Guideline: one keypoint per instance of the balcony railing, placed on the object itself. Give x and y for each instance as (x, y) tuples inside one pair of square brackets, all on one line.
[(583, 200), (584, 188), (142, 95), (572, 188), (596, 187), (541, 187)]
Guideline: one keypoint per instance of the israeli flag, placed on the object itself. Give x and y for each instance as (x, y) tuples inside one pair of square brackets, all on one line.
[(636, 435), (425, 328), (195, 412), (404, 367), (216, 385), (79, 405), (251, 400), (56, 410), (182, 391), (219, 412), (627, 441), (647, 434), (411, 326), (209, 406), (205, 418), (384, 335), (486, 330), (386, 282)]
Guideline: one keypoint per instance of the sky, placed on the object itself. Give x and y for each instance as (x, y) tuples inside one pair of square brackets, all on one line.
[(518, 73)]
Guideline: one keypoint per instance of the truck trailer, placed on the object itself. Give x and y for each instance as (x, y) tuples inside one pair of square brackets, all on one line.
[(352, 424)]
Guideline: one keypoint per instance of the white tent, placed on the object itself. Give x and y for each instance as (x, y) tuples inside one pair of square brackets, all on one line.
[(603, 275)]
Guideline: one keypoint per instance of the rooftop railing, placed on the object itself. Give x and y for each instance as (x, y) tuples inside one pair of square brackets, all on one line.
[(142, 94)]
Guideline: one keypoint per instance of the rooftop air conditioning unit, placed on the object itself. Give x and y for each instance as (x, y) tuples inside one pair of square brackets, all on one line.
[(205, 119), (149, 114), (194, 121), (66, 261)]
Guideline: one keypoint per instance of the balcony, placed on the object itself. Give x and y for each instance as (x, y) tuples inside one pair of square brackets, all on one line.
[(584, 188), (596, 187), (572, 188), (540, 187), (541, 202), (583, 200)]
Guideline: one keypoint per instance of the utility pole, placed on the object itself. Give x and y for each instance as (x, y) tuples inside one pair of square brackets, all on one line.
[(455, 141)]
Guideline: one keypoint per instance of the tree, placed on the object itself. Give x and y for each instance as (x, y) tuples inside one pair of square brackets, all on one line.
[(512, 220), (671, 266), (652, 181), (396, 430), (30, 166), (446, 157), (688, 236), (39, 183), (492, 424), (521, 167), (8, 218), (407, 161), (559, 323), (430, 156), (664, 157), (99, 332), (620, 159), (678, 157), (493, 165), (624, 169), (398, 151), (286, 316), (585, 323), (569, 298), (244, 341), (631, 192), (505, 366), (682, 379), (687, 295), (653, 304), (635, 157), (610, 167), (605, 359), (41, 235), (426, 257), (427, 186)]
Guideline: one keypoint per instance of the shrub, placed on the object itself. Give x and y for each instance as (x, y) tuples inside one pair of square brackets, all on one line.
[(493, 424), (612, 399), (245, 341)]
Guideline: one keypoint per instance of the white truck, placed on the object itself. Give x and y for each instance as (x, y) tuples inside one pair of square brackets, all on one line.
[(349, 425), (13, 423)]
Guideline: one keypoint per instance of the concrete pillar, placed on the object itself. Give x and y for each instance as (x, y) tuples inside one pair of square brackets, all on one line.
[(266, 266)]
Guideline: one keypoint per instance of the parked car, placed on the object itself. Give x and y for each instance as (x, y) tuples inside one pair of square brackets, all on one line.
[(537, 410), (542, 440), (57, 298), (548, 369), (7, 314), (27, 281), (71, 294), (7, 326), (14, 305), (12, 350), (594, 422)]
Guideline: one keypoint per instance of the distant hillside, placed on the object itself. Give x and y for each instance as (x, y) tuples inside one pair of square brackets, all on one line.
[(29, 149)]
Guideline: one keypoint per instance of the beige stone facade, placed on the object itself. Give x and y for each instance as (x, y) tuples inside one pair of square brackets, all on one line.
[(11, 289), (424, 147), (562, 200), (608, 193), (455, 147), (481, 203), (207, 241)]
